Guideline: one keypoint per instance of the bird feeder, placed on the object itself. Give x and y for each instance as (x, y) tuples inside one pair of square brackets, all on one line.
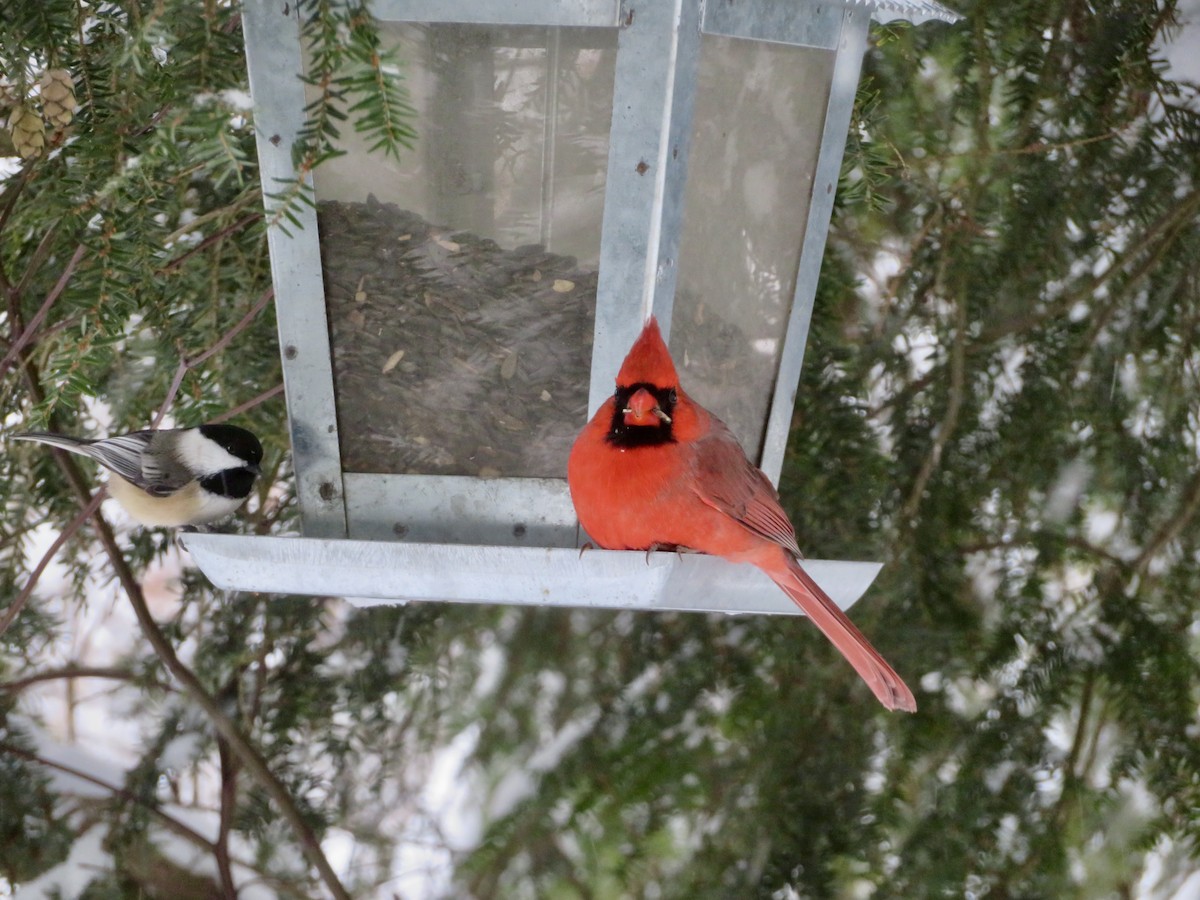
[(450, 320)]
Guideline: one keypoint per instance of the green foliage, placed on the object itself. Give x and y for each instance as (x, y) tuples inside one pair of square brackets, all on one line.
[(33, 832), (350, 77), (133, 240), (1043, 529)]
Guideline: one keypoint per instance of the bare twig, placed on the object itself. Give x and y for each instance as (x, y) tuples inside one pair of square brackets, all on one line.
[(249, 404), (14, 609), (229, 773), (237, 329), (12, 191), (20, 342), (210, 240), (185, 365), (249, 755), (173, 825), (949, 423), (1047, 147), (1170, 529), (72, 671), (170, 823), (38, 257), (1026, 538), (172, 391)]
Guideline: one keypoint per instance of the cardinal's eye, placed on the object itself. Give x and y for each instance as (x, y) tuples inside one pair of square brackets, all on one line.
[(672, 397)]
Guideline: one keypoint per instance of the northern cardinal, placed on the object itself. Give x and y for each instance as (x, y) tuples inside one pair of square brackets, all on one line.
[(655, 470)]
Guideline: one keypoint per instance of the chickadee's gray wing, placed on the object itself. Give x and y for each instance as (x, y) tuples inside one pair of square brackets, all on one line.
[(143, 458), (123, 454), (161, 472)]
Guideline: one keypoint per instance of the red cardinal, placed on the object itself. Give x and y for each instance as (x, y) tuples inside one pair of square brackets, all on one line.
[(655, 470)]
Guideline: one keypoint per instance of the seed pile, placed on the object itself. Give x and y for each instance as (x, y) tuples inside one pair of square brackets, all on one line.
[(452, 355)]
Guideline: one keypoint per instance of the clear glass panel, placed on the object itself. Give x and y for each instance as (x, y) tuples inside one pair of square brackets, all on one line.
[(461, 282), (759, 112)]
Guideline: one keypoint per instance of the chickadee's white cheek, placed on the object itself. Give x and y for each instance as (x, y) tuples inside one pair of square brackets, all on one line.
[(200, 454)]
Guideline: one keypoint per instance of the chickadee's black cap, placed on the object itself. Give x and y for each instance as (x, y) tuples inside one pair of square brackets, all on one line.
[(238, 441)]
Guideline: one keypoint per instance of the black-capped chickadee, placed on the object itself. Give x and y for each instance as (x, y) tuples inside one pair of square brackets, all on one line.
[(172, 478)]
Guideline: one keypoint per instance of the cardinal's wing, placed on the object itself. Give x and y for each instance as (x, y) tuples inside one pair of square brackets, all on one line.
[(728, 482)]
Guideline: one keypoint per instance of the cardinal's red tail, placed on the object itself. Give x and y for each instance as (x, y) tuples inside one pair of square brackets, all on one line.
[(882, 678)]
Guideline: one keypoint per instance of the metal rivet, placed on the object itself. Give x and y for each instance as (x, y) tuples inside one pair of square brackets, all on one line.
[(400, 529), (290, 351), (641, 168), (519, 530), (327, 491)]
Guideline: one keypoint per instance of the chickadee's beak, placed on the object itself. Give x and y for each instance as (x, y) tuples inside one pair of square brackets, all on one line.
[(255, 468)]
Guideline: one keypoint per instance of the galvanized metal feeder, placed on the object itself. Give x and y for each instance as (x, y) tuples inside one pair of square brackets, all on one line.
[(449, 322)]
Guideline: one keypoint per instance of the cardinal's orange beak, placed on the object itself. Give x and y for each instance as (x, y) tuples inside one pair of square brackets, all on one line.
[(643, 409)]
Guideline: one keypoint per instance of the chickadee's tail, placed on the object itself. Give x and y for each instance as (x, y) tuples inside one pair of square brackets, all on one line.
[(62, 441)]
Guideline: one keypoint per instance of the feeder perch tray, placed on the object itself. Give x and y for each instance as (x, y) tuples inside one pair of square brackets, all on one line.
[(370, 573)]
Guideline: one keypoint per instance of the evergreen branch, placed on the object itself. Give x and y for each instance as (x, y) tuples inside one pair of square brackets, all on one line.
[(1047, 75), (170, 823), (949, 423), (253, 195), (72, 671), (297, 193), (21, 341), (82, 17), (14, 609), (229, 770), (1027, 538), (983, 88), (12, 191), (1167, 226), (186, 365), (179, 829), (1170, 529), (1071, 778), (251, 758), (1045, 147), (383, 106), (1078, 741), (208, 241), (36, 260)]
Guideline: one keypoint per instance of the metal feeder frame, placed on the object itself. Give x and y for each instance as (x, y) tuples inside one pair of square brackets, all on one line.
[(514, 540)]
